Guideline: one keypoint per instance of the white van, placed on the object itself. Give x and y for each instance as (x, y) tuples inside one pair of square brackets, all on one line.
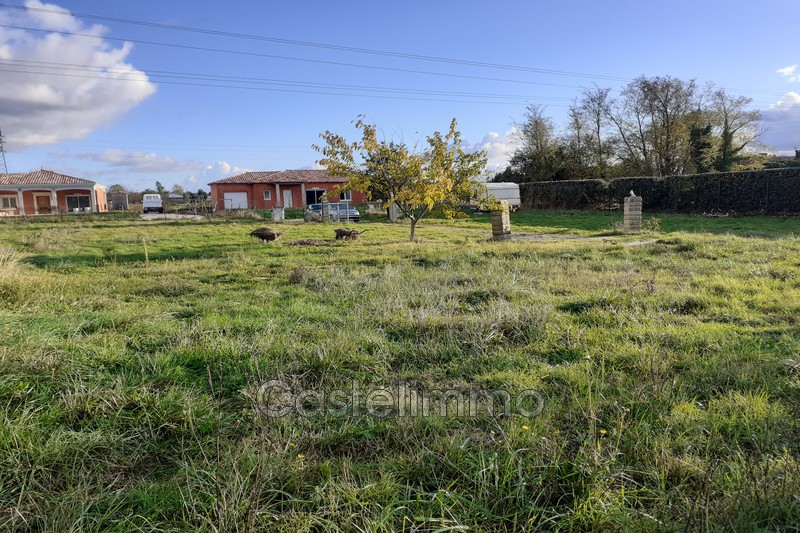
[(151, 203)]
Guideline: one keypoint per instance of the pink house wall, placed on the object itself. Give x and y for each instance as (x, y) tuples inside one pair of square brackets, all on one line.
[(29, 199), (255, 194)]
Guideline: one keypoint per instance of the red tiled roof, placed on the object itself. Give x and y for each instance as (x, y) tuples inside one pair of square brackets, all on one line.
[(41, 177), (282, 176)]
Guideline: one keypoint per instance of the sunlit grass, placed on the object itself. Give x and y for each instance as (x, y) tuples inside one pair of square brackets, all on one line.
[(669, 362)]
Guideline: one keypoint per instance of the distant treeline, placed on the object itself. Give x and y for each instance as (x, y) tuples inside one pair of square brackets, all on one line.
[(658, 126)]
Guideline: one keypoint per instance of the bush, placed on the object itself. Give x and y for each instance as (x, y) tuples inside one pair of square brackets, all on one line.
[(298, 275)]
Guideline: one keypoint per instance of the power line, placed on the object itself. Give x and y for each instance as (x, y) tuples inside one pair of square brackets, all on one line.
[(94, 72), (287, 58), (221, 86), (389, 53), (361, 50), (252, 80), (161, 76)]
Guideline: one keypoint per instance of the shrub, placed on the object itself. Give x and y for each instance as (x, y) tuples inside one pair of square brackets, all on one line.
[(298, 275)]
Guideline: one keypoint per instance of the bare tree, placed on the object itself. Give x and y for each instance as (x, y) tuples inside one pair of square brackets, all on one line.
[(736, 126), (650, 121), (588, 119), (656, 127), (628, 116), (537, 157)]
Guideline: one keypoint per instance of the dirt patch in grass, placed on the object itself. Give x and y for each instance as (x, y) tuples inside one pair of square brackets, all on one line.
[(310, 242)]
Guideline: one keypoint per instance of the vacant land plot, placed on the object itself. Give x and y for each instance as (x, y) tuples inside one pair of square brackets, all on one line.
[(133, 354)]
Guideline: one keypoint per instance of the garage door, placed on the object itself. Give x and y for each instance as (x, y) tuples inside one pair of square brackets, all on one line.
[(235, 200)]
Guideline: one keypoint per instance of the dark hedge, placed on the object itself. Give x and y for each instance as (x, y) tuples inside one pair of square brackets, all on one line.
[(773, 191)]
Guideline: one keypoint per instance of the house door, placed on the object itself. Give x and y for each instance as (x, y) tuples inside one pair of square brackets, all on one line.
[(43, 204), (287, 198)]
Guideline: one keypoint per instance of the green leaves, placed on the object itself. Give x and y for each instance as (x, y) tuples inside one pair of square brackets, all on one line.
[(441, 176)]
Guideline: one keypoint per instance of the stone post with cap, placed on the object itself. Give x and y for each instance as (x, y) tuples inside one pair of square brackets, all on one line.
[(633, 213)]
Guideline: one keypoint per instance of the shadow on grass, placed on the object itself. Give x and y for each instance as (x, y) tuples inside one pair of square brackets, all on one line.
[(768, 227), (100, 257)]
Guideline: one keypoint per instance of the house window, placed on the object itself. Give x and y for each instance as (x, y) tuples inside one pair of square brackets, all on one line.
[(79, 202), (8, 202), (267, 194), (346, 196), (314, 196)]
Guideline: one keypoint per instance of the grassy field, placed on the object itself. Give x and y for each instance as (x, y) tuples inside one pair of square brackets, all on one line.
[(132, 356)]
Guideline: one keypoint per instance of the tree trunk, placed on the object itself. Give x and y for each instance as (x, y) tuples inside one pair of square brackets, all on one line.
[(413, 229)]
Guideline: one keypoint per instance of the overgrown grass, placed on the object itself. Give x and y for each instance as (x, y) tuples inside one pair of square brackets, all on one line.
[(131, 355)]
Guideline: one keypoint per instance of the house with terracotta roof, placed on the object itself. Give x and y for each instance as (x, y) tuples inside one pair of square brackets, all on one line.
[(44, 192), (285, 188)]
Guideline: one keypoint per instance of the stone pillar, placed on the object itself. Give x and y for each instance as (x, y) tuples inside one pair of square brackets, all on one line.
[(633, 213), (393, 213), (277, 214), (278, 199), (303, 203), (326, 210), (53, 202), (20, 205), (93, 200), (501, 222)]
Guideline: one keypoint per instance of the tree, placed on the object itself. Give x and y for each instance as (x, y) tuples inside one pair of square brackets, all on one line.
[(441, 176), (650, 123), (670, 126), (540, 154), (702, 146), (736, 126), (656, 126), (160, 188), (116, 188), (508, 175), (377, 167), (178, 189), (589, 118)]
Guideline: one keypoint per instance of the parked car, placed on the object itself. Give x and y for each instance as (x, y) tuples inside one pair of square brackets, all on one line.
[(340, 211), (151, 203)]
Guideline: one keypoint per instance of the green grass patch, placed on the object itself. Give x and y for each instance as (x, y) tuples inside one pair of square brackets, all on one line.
[(132, 356)]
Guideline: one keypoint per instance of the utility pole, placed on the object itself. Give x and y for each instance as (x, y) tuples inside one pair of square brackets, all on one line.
[(3, 154)]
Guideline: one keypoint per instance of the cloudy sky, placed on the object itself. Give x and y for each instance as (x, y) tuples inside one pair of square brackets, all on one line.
[(188, 92)]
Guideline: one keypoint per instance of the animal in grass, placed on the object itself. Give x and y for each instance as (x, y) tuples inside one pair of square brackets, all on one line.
[(266, 234), (347, 234)]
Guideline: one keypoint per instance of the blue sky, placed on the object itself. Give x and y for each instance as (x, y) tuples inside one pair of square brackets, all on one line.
[(63, 105)]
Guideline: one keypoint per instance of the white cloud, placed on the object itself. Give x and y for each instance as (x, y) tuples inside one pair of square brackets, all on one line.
[(207, 173), (52, 21), (122, 165), (221, 169), (782, 123), (790, 72), (140, 162), (39, 105), (499, 149)]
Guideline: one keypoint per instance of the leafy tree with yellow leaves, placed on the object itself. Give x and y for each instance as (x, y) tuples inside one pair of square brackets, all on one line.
[(442, 176)]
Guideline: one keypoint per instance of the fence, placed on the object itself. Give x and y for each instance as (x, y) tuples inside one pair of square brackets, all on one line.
[(774, 191)]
